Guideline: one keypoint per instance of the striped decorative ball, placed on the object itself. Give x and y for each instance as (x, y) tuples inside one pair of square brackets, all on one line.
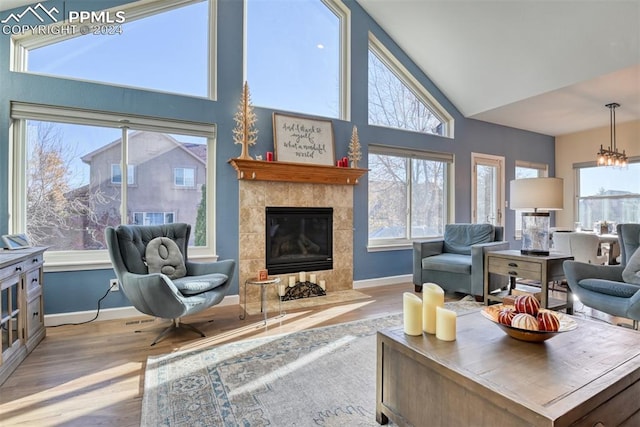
[(548, 321), (527, 304), (505, 316), (525, 321)]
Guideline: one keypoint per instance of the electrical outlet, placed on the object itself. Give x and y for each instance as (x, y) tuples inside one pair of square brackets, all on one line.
[(114, 285)]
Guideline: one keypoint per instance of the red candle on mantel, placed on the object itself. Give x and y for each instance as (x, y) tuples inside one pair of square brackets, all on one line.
[(345, 162), (269, 156)]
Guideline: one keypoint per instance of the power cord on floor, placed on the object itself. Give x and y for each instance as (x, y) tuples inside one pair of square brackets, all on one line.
[(94, 318)]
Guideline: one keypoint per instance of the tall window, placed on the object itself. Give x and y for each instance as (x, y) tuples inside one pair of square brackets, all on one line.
[(158, 46), (408, 195), (528, 170), (608, 194), (296, 55), (74, 181), (397, 100)]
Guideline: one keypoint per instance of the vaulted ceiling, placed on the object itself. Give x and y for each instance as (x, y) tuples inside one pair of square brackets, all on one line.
[(545, 66), (540, 65)]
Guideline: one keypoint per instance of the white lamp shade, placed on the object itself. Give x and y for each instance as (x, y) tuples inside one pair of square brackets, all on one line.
[(537, 193)]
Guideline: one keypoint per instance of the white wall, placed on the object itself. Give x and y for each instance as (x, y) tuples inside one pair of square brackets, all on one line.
[(582, 147)]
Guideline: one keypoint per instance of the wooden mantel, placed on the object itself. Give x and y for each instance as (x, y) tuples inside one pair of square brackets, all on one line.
[(260, 170)]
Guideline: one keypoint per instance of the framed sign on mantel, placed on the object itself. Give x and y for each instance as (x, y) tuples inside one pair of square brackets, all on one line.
[(303, 140)]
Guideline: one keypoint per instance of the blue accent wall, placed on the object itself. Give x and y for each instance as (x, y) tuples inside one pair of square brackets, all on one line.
[(80, 290)]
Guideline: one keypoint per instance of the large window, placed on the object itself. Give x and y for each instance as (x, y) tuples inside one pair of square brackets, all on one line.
[(408, 195), (397, 100), (162, 45), (526, 169), (73, 179), (608, 194), (297, 55)]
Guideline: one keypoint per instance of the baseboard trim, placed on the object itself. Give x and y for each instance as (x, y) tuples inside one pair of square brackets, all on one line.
[(382, 281), (111, 313)]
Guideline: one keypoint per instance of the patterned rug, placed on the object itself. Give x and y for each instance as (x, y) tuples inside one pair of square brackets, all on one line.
[(316, 377)]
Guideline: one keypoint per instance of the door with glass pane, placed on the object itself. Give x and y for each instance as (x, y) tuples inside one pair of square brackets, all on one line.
[(488, 189)]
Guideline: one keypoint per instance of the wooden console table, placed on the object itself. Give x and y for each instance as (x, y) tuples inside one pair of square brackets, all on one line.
[(543, 269), (21, 306), (583, 377)]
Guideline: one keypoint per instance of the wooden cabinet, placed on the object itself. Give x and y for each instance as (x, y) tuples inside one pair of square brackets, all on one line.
[(21, 306)]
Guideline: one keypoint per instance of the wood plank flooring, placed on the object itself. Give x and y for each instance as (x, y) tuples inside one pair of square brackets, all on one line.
[(92, 374)]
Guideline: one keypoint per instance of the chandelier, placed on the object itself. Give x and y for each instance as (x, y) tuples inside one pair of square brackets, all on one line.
[(610, 156)]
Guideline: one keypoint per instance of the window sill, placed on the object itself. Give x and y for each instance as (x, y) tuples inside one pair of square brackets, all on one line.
[(390, 247)]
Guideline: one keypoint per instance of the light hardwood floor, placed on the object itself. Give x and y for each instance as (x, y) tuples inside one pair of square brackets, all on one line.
[(93, 374)]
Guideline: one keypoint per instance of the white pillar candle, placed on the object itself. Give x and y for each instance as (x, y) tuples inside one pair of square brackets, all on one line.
[(445, 324), (292, 281), (323, 285), (281, 290), (312, 278), (412, 314), (432, 297), (303, 276)]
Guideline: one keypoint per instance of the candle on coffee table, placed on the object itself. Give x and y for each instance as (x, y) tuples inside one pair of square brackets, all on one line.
[(432, 297), (445, 324), (412, 314)]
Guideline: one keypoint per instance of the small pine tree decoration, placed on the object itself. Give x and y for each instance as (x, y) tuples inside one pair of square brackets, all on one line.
[(354, 148), (245, 132)]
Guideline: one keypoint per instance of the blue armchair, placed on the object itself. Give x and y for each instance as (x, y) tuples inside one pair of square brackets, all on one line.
[(456, 262), (177, 287), (602, 287)]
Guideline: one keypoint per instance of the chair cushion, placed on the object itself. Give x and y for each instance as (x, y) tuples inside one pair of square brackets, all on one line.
[(192, 285), (609, 287), (163, 256), (453, 263), (458, 238), (631, 272)]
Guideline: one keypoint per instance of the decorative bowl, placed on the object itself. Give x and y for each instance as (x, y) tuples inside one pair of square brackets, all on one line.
[(566, 324)]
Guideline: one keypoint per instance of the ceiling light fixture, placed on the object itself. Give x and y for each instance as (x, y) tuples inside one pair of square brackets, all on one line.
[(611, 156)]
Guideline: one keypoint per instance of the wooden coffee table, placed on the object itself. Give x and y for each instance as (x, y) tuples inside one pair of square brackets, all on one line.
[(486, 378)]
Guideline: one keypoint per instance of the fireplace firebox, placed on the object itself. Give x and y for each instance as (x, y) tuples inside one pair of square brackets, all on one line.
[(299, 239)]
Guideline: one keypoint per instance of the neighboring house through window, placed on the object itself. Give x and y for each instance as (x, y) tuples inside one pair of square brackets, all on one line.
[(73, 188), (607, 193)]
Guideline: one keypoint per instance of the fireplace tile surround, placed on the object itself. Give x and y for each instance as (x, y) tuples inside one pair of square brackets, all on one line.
[(255, 196)]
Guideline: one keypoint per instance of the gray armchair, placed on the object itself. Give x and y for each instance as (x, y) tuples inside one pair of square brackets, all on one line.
[(602, 287), (456, 262), (151, 288)]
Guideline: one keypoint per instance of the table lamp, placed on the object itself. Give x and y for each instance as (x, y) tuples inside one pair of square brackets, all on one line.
[(536, 194)]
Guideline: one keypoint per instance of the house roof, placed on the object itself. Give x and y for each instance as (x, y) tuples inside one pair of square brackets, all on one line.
[(199, 151)]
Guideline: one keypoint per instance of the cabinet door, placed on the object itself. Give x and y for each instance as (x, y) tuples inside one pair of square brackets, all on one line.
[(10, 319)]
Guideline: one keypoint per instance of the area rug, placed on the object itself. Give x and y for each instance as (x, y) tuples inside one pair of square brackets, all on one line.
[(316, 377)]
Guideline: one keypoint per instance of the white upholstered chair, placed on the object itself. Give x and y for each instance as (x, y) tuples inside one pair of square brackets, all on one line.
[(583, 246)]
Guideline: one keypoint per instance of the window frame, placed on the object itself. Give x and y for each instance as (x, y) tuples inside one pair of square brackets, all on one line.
[(377, 245), (22, 43), (385, 56), (97, 259)]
